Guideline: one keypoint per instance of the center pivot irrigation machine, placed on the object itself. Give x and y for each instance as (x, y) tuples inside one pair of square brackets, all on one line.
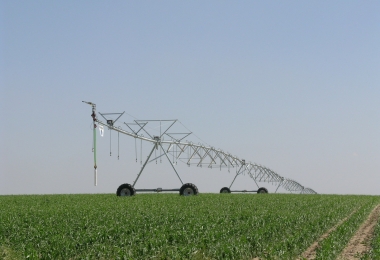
[(171, 145)]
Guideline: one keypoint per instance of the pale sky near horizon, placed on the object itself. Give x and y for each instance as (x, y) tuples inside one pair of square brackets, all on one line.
[(291, 85)]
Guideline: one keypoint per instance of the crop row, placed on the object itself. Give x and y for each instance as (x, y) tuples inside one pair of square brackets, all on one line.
[(374, 252), (333, 245), (168, 226)]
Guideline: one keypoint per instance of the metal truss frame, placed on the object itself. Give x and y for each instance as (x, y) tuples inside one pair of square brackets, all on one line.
[(195, 154)]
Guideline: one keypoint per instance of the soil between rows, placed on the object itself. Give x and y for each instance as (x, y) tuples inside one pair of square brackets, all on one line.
[(360, 242), (311, 252)]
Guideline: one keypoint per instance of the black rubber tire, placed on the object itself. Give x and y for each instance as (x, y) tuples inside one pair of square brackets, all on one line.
[(188, 189), (262, 191), (125, 187), (225, 190)]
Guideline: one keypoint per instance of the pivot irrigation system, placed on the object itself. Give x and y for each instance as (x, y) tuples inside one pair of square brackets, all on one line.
[(171, 145)]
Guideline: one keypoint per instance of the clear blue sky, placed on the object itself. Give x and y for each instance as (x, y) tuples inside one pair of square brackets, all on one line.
[(292, 85)]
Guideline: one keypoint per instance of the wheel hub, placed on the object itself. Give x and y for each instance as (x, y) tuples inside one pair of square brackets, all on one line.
[(125, 192), (188, 192)]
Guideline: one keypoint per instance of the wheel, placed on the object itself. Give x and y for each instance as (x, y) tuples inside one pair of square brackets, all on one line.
[(225, 190), (262, 190), (125, 190), (188, 189)]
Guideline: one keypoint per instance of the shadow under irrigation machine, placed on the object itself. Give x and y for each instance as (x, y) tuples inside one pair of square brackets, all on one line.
[(189, 153)]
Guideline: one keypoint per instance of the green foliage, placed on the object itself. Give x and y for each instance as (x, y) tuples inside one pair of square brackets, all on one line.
[(168, 226), (337, 240), (374, 253), (7, 253)]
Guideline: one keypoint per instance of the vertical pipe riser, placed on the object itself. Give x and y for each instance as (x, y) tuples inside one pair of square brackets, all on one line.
[(95, 177), (94, 133)]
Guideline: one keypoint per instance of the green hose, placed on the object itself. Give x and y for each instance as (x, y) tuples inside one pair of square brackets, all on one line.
[(95, 147)]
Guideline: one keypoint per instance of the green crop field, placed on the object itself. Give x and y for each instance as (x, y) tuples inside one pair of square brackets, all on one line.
[(168, 226)]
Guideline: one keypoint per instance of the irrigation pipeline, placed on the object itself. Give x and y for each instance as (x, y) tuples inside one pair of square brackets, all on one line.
[(200, 154)]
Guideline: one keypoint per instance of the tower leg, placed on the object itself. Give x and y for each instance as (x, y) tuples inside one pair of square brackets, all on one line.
[(171, 163), (142, 168), (236, 176)]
